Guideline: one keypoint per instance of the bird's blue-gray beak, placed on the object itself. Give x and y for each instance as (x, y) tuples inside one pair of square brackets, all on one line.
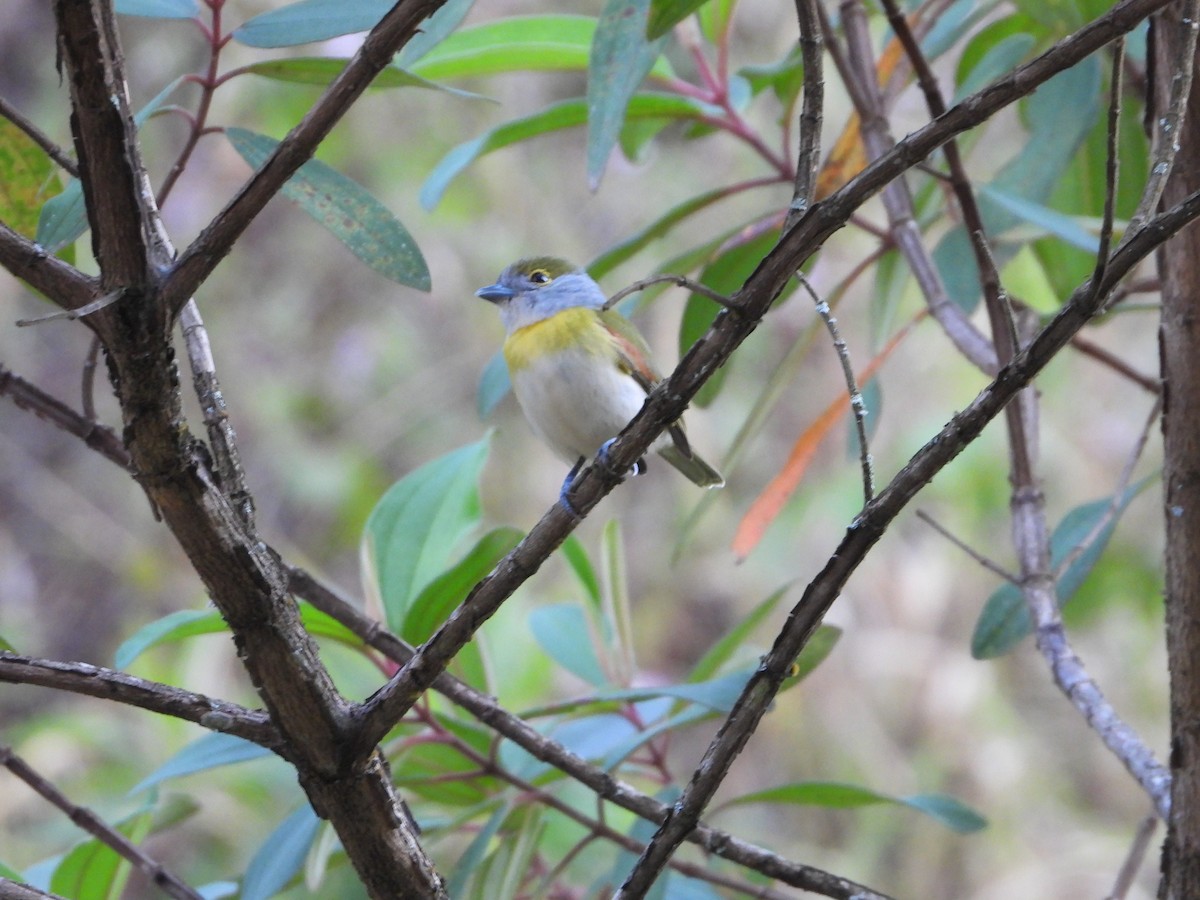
[(495, 293)]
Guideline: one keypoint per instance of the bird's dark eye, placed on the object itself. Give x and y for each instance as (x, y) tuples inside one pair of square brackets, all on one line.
[(539, 276)]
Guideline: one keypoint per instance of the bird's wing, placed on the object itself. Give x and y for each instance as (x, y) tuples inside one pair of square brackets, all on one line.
[(634, 358)]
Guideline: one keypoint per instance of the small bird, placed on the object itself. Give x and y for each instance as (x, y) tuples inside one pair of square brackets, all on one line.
[(580, 371)]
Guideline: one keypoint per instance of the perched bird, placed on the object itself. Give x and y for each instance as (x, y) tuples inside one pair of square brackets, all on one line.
[(580, 372)]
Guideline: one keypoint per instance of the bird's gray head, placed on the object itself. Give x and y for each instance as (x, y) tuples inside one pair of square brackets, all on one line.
[(534, 289)]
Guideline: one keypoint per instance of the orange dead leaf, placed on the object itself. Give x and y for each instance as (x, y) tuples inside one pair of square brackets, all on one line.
[(848, 156), (768, 504)]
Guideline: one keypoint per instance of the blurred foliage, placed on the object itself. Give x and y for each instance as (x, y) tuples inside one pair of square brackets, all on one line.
[(344, 378)]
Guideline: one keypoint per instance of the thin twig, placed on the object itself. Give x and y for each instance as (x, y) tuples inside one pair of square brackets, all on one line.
[(88, 380), (99, 437), (161, 877), (221, 436), (88, 680), (605, 786), (989, 564), (1118, 491), (1133, 860), (857, 404), (1151, 383), (1168, 127), (808, 157), (1113, 159), (679, 280), (53, 150), (70, 315)]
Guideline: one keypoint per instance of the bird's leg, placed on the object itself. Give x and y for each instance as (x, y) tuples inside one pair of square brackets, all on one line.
[(639, 467), (568, 483)]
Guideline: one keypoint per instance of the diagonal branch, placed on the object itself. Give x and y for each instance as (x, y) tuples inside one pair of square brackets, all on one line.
[(871, 524), (108, 684), (517, 730), (667, 402), (216, 240), (157, 874)]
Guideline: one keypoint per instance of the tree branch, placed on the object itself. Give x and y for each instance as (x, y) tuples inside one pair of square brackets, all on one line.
[(158, 874), (667, 402), (108, 684)]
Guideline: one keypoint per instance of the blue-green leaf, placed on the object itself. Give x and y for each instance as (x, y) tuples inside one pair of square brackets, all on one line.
[(208, 752), (346, 210), (158, 9), (666, 14), (311, 20), (445, 593), (723, 650), (1049, 220), (281, 856), (494, 385), (943, 809), (413, 533), (562, 631), (1005, 621), (568, 114), (621, 58), (434, 30), (95, 871), (171, 627), (63, 218)]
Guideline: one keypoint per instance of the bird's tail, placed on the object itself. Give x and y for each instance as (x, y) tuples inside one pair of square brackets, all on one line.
[(693, 467)]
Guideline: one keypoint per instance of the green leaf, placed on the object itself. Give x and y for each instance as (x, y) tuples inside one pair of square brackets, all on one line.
[(172, 627), (6, 645), (187, 623), (476, 851), (494, 385), (63, 218), (990, 55), (784, 77), (281, 855), (158, 9), (324, 69), (733, 640), (208, 752), (311, 20), (943, 809), (613, 257), (1049, 220), (562, 631), (577, 558), (346, 210), (434, 30), (445, 593), (413, 532), (95, 871), (515, 44), (666, 14), (567, 114), (621, 58), (715, 17), (726, 274), (1005, 621), (441, 774), (27, 174)]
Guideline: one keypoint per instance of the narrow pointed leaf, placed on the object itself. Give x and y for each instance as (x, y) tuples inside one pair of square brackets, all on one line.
[(311, 20), (666, 14), (158, 9), (281, 857), (434, 30), (567, 114), (562, 631), (324, 69), (621, 58), (413, 533), (63, 218), (346, 210), (209, 752), (1004, 621), (27, 175)]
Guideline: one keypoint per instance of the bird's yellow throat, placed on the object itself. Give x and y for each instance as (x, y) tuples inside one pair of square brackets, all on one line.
[(578, 329)]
